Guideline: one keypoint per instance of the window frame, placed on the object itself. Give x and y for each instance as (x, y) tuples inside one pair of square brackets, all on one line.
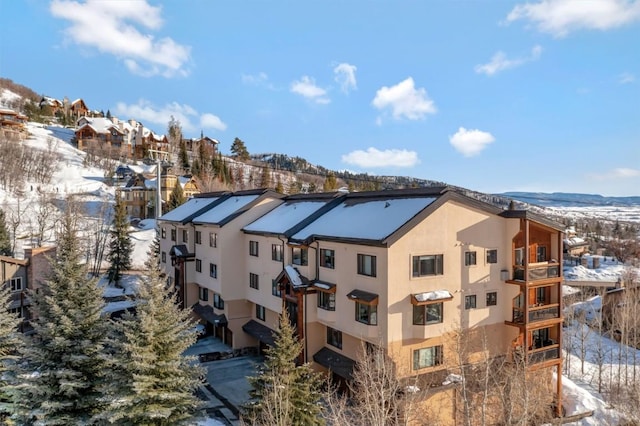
[(218, 301), (261, 312), (326, 300), (203, 294), (213, 239), (163, 257), (213, 270), (491, 298), (163, 232), (334, 337), (541, 253), (491, 256), (198, 237), (254, 281), (470, 258), (277, 252), (15, 284), (275, 289), (425, 314), (438, 265), (198, 265), (302, 259), (174, 234), (185, 236), (371, 313), (328, 254), (362, 264), (437, 357), (254, 248), (468, 299)]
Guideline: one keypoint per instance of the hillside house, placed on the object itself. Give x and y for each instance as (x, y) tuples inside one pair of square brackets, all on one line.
[(139, 193), (13, 123), (53, 105), (78, 109), (405, 269)]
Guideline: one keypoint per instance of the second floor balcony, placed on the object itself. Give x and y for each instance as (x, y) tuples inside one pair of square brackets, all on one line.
[(537, 313), (536, 271)]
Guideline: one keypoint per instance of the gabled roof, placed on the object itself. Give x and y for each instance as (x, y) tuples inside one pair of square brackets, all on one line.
[(233, 206), (192, 208)]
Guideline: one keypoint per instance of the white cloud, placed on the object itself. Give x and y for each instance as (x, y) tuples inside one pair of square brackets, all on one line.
[(618, 174), (306, 87), (373, 157), (190, 120), (470, 142), (626, 78), (114, 27), (500, 62), (404, 100), (345, 76), (560, 17)]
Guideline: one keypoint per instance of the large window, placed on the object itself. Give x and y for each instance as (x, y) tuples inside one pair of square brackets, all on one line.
[(470, 301), (469, 258), (327, 301), (204, 294), (367, 265), (16, 284), (328, 258), (260, 312), (218, 301), (492, 298), (253, 280), (198, 237), (198, 265), (213, 239), (275, 289), (185, 236), (276, 252), (213, 270), (519, 255), (173, 235), (492, 256), (427, 314), (541, 254), (163, 233), (334, 337), (253, 248), (428, 265), (367, 314), (300, 256), (427, 357)]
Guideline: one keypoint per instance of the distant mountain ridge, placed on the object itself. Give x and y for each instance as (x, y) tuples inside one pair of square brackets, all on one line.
[(569, 199)]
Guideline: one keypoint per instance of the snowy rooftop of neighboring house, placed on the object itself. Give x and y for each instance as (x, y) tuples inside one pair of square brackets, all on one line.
[(284, 217), (575, 241), (366, 219), (225, 209), (99, 124), (151, 183), (191, 207), (76, 101)]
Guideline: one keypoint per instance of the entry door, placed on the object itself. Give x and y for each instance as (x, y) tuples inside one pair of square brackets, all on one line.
[(292, 310), (228, 337)]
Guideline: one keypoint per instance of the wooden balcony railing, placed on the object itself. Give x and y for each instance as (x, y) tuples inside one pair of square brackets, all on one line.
[(552, 351), (537, 313), (537, 272)]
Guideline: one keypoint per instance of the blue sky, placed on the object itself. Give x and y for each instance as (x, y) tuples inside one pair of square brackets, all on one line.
[(489, 95)]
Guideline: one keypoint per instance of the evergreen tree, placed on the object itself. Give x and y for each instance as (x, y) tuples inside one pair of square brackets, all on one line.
[(9, 343), (330, 183), (5, 241), (109, 114), (63, 365), (176, 198), (153, 255), (239, 150), (184, 157), (265, 178), (153, 383), (283, 393), (279, 186), (120, 245)]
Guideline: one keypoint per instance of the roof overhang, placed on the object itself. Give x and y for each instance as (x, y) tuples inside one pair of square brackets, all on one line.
[(363, 297), (339, 364), (207, 313), (261, 332), (429, 297)]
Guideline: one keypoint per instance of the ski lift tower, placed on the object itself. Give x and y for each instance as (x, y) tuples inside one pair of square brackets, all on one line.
[(160, 157)]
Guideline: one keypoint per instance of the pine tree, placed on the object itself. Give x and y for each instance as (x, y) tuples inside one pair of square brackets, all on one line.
[(64, 367), (176, 198), (330, 183), (265, 178), (239, 150), (153, 383), (184, 157), (5, 241), (9, 343), (153, 255), (279, 186), (120, 245), (283, 393)]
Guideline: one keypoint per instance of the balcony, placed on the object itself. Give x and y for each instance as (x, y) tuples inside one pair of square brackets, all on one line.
[(537, 271), (326, 315), (548, 352), (537, 313)]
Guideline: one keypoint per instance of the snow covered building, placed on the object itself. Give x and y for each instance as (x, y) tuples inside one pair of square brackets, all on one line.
[(406, 269)]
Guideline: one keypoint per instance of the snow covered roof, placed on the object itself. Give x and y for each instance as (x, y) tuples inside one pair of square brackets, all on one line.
[(294, 276), (284, 217), (187, 210), (225, 209), (99, 124), (432, 296), (374, 219)]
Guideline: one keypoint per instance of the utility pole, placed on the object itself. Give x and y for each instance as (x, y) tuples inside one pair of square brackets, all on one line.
[(159, 156)]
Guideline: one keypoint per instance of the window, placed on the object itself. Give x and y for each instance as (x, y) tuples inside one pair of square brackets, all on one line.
[(334, 337), (327, 301), (492, 298), (300, 256), (276, 252), (218, 302), (163, 232), (541, 295), (470, 301), (185, 236), (519, 255), (16, 284), (260, 312), (275, 289), (213, 270), (253, 280), (163, 256), (198, 237), (367, 314), (427, 314), (16, 312), (173, 235), (327, 258), (253, 248), (213, 239), (204, 294), (492, 256), (427, 357), (541, 254), (198, 265), (367, 265), (428, 265), (469, 258)]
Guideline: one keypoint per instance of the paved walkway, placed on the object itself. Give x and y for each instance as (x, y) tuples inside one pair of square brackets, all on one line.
[(227, 387)]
